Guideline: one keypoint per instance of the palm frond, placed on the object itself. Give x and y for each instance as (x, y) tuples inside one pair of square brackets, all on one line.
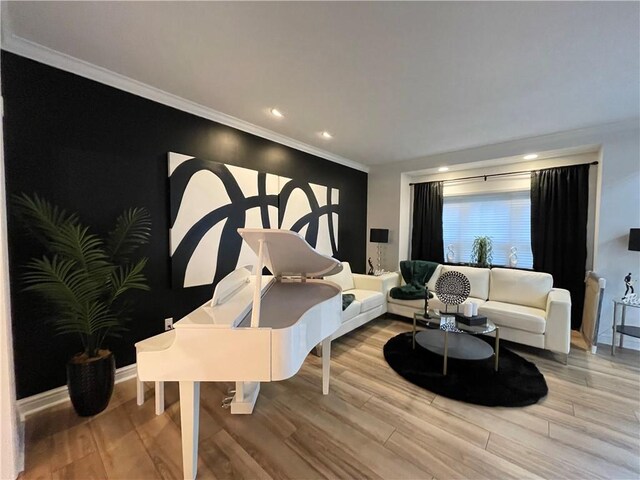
[(95, 317), (41, 217), (133, 229), (75, 242), (85, 274), (64, 324), (128, 277), (100, 317), (59, 281)]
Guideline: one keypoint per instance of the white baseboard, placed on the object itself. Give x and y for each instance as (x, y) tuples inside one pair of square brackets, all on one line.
[(21, 446), (41, 401)]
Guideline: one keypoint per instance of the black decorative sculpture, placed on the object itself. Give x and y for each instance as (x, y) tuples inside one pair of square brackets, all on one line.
[(426, 302), (370, 272), (629, 284)]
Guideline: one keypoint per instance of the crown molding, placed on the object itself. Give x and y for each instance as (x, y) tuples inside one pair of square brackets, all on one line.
[(34, 51)]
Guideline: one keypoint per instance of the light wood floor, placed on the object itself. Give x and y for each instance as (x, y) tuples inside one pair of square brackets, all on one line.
[(374, 424)]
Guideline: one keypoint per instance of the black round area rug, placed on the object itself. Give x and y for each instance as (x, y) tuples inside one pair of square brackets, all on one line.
[(517, 382)]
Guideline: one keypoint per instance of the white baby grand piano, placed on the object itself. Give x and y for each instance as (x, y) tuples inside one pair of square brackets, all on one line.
[(255, 329)]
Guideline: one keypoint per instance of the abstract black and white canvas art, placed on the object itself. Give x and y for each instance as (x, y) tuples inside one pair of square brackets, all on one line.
[(209, 201)]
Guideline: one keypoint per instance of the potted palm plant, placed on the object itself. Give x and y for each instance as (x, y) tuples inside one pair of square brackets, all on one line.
[(482, 251), (85, 278)]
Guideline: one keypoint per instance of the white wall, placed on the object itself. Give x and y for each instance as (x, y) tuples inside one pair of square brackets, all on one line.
[(11, 458), (616, 201), (10, 463), (619, 211), (389, 187)]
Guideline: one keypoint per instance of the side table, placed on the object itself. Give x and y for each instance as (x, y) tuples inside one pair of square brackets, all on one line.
[(622, 329)]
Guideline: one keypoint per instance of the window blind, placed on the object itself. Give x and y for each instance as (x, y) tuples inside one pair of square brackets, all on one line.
[(505, 217)]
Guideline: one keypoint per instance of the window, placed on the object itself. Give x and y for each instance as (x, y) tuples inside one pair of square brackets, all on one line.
[(505, 217)]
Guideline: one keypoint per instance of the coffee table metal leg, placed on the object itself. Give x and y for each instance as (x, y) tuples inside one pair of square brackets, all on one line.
[(497, 348), (613, 333), (446, 351), (622, 322), (413, 342)]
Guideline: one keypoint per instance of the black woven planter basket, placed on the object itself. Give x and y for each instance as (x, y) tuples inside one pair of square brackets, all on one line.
[(91, 384)]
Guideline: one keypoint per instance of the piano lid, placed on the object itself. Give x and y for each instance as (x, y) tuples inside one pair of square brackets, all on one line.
[(288, 253)]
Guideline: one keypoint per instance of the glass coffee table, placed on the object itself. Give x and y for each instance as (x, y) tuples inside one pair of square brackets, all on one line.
[(461, 345)]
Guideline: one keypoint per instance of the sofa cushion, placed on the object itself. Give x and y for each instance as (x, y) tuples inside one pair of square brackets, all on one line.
[(417, 304), (478, 278), (351, 311), (436, 304), (519, 317), (520, 287), (431, 284), (368, 298), (344, 279)]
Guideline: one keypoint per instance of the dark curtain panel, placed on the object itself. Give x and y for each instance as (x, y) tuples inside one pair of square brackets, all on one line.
[(559, 200), (427, 242)]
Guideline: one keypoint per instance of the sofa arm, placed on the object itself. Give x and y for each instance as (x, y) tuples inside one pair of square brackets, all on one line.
[(382, 283), (557, 336)]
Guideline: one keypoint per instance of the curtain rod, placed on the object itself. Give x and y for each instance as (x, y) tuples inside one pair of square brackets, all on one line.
[(498, 174)]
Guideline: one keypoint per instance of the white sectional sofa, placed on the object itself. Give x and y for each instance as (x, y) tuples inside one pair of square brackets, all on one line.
[(523, 304), (370, 296)]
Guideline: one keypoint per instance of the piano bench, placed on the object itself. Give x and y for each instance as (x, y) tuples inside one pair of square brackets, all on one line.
[(159, 390)]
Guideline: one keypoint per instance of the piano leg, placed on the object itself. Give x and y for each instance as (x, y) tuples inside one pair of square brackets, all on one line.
[(139, 392), (245, 398), (190, 420), (159, 398), (326, 363)]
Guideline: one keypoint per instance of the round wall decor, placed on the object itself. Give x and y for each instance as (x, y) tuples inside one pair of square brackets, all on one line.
[(453, 288)]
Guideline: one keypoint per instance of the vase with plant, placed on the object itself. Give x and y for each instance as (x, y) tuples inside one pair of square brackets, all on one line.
[(84, 279), (482, 251)]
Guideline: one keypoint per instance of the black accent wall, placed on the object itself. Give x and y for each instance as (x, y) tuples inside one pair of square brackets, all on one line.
[(96, 150)]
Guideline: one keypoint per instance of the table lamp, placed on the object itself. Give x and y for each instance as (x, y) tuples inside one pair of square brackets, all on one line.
[(379, 236), (634, 239)]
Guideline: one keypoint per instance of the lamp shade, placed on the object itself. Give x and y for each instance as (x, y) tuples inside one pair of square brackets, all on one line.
[(379, 235), (634, 239)]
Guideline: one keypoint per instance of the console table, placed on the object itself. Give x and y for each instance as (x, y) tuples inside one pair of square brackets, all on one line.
[(622, 329)]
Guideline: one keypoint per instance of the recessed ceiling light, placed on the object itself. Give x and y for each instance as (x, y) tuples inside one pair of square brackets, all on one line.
[(326, 134), (276, 113), (443, 169), (531, 156)]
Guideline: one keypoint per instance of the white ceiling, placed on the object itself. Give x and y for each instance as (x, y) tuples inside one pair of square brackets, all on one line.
[(390, 81)]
